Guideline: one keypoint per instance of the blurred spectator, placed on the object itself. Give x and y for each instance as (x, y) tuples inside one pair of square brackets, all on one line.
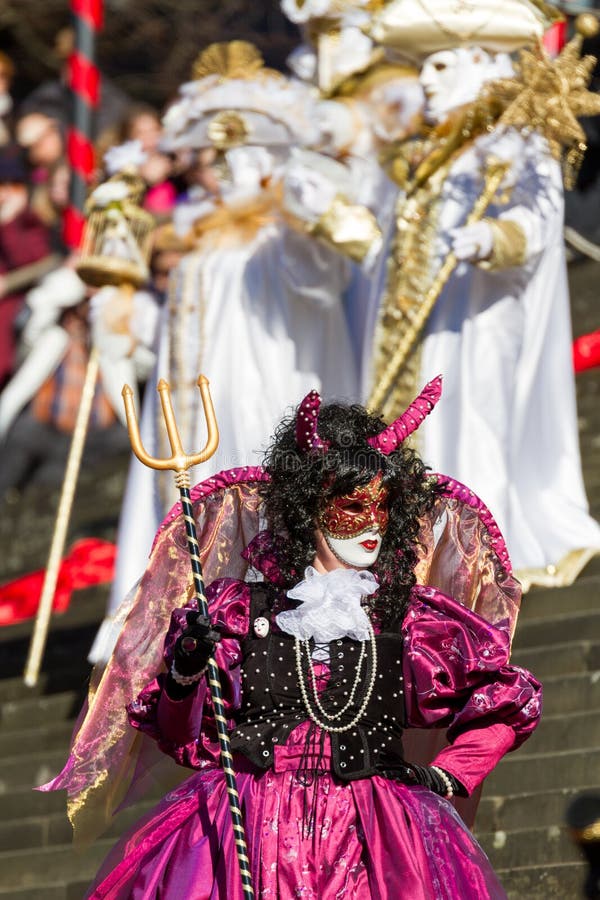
[(42, 138), (7, 72), (43, 141), (143, 124), (53, 97), (24, 240)]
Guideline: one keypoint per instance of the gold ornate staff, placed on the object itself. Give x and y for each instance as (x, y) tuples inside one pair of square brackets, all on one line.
[(180, 462), (494, 176)]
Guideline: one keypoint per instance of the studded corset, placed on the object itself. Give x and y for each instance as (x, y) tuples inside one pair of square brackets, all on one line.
[(272, 704)]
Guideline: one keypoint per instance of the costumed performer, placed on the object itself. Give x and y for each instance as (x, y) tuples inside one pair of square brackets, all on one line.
[(334, 630), (500, 327), (257, 302), (368, 103)]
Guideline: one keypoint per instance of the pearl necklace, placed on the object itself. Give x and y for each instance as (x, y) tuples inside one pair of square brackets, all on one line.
[(315, 690), (304, 691)]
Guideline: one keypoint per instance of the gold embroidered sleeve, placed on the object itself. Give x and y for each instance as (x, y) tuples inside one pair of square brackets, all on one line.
[(350, 229), (509, 248)]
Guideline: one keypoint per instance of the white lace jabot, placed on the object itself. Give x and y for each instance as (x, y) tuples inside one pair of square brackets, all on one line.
[(331, 606)]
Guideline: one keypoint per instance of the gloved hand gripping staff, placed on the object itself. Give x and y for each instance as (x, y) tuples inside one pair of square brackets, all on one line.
[(180, 462)]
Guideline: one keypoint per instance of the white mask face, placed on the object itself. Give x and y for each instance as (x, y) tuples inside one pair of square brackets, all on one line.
[(360, 552), (451, 78)]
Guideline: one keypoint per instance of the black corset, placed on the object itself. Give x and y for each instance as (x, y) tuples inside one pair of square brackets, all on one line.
[(272, 705)]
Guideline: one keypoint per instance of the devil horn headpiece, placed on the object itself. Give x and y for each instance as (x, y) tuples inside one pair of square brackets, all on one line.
[(307, 436), (387, 441)]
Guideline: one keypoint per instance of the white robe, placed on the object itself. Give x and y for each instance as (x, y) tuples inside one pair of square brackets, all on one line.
[(265, 324), (507, 424)]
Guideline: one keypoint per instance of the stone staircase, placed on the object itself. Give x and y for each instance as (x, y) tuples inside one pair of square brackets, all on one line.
[(37, 860), (520, 820)]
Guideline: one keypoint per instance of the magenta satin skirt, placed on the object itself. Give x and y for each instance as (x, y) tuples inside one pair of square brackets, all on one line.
[(372, 838)]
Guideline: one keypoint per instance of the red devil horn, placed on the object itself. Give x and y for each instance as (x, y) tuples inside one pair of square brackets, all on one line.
[(389, 439), (307, 416)]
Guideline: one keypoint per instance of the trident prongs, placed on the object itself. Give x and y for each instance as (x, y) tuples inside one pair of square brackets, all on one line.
[(179, 461)]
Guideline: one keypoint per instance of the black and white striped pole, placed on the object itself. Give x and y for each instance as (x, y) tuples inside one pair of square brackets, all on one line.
[(180, 462)]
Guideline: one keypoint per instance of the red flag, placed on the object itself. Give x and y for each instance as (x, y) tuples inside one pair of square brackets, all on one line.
[(91, 561)]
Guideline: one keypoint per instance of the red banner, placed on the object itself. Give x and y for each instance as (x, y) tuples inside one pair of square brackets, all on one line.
[(586, 351), (90, 561)]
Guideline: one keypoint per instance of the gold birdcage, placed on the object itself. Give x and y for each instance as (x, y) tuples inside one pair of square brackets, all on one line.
[(117, 238)]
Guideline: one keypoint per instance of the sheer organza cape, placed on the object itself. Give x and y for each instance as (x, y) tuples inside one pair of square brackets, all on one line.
[(110, 765)]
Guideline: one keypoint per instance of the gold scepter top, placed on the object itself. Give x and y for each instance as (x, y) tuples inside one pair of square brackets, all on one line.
[(180, 461)]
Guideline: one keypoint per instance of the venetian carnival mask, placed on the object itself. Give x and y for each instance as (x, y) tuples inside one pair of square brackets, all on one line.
[(451, 78), (353, 524)]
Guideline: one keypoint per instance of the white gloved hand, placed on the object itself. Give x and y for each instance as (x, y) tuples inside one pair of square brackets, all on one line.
[(307, 193), (473, 243)]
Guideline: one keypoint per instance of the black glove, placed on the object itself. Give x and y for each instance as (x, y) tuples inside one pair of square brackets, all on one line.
[(411, 774), (195, 645), (193, 648)]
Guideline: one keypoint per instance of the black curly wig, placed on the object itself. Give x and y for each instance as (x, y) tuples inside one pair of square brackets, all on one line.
[(302, 484)]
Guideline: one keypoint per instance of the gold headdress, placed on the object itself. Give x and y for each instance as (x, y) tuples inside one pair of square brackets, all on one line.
[(232, 59), (235, 100), (417, 28)]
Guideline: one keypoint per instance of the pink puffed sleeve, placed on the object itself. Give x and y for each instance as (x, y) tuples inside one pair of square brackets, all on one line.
[(456, 675), (185, 729)]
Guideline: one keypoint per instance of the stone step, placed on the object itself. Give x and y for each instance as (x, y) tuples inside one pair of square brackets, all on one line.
[(59, 680), (26, 802), (582, 596), (529, 846), (572, 693), (54, 828), (69, 640), (573, 731), (30, 770), (526, 810), (72, 891), (50, 865), (559, 659), (579, 626), (544, 771), (51, 736), (17, 715), (562, 881)]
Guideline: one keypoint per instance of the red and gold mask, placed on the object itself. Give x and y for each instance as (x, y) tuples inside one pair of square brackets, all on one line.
[(363, 509)]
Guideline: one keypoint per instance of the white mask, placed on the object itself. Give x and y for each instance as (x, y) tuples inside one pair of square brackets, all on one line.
[(360, 552), (451, 78)]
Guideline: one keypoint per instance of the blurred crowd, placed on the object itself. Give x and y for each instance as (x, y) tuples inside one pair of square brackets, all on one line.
[(39, 289)]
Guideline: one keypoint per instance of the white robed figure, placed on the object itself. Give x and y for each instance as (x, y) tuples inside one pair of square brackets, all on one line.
[(500, 330), (256, 304)]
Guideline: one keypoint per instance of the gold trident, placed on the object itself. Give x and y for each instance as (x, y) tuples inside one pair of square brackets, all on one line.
[(180, 462)]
